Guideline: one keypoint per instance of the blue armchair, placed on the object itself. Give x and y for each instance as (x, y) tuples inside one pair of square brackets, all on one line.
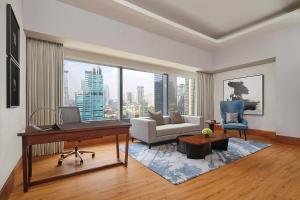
[(233, 107)]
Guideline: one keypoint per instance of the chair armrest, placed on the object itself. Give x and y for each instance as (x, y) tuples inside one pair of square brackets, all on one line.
[(143, 129)]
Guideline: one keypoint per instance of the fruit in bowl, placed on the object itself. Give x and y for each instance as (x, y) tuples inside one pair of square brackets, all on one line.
[(207, 132)]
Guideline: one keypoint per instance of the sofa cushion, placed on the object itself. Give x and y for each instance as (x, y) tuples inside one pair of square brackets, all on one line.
[(176, 117), (168, 129), (167, 119), (171, 129), (157, 116), (189, 127)]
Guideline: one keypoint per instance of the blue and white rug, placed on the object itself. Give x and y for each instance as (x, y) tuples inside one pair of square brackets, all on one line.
[(177, 168)]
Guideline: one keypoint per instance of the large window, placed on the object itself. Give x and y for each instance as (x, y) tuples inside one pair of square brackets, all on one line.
[(143, 92), (185, 95), (93, 88), (106, 92)]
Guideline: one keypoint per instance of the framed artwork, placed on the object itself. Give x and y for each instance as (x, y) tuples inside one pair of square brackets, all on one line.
[(250, 89), (13, 58), (12, 35), (13, 83)]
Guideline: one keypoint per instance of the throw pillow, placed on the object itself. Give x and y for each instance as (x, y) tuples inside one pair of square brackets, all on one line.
[(176, 117), (157, 116), (232, 117)]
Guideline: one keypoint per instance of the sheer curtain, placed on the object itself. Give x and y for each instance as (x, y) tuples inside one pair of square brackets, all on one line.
[(205, 99), (44, 87)]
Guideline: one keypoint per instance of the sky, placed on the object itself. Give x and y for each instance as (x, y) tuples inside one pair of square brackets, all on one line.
[(131, 78)]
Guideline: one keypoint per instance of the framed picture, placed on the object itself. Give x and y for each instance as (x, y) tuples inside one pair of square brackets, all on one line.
[(13, 83), (250, 89), (12, 35)]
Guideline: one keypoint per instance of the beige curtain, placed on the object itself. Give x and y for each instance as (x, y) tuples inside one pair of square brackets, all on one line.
[(205, 103), (44, 87)]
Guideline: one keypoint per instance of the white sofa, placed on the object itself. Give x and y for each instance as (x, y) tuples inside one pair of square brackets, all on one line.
[(145, 129)]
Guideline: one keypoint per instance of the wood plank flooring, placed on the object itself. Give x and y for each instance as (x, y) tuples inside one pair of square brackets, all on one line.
[(273, 173)]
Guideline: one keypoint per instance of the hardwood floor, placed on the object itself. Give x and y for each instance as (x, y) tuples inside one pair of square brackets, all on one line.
[(273, 173)]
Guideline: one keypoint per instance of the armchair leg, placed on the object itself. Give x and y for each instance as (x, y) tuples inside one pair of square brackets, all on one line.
[(225, 131), (150, 146), (245, 135), (132, 139), (240, 132)]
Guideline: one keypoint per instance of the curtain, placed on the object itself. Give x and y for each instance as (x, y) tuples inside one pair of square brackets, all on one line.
[(44, 88), (205, 103)]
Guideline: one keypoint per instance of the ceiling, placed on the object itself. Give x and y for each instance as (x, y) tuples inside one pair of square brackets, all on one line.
[(217, 18), (201, 23)]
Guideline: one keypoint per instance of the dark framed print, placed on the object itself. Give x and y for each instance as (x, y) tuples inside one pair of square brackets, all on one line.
[(250, 89), (13, 83), (12, 34)]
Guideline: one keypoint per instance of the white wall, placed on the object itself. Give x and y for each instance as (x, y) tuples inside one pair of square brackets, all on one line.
[(12, 120), (108, 60), (268, 120), (64, 21), (285, 46)]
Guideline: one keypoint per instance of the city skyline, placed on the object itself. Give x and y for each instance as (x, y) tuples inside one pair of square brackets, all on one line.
[(76, 70), (142, 91)]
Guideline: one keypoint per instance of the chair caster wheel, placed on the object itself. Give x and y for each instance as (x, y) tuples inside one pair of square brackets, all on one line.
[(59, 163), (61, 155), (81, 162), (93, 155)]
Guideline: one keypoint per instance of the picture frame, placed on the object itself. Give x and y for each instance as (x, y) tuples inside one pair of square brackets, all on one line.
[(250, 89), (12, 35), (13, 83)]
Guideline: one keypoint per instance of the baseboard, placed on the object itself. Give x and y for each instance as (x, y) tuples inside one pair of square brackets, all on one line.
[(11, 181), (255, 132), (267, 134), (106, 139), (288, 140)]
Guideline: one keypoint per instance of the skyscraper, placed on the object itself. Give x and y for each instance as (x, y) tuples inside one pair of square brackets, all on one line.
[(106, 94), (90, 99), (186, 96), (129, 98), (140, 95), (192, 102), (141, 101), (180, 98), (158, 92), (66, 88)]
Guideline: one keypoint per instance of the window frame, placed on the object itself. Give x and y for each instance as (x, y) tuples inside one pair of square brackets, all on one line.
[(120, 79)]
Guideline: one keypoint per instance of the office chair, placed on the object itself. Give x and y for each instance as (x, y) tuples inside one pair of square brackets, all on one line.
[(233, 107), (72, 115)]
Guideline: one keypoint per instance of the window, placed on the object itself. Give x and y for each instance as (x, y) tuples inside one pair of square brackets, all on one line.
[(143, 91), (93, 88), (96, 90), (185, 95)]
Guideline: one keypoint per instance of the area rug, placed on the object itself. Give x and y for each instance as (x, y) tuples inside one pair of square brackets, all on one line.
[(177, 168)]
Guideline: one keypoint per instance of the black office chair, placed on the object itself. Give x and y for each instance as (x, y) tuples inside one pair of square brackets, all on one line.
[(72, 115)]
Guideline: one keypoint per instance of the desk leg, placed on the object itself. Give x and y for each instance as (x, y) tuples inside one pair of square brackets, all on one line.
[(30, 161), (25, 164), (126, 149), (117, 146)]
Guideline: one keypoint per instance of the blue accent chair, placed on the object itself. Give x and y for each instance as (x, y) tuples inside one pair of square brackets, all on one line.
[(233, 107)]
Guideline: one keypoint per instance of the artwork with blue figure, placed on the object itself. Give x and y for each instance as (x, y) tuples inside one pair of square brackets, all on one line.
[(249, 89)]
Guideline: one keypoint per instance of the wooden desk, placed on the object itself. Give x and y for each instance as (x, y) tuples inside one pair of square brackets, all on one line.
[(71, 132)]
